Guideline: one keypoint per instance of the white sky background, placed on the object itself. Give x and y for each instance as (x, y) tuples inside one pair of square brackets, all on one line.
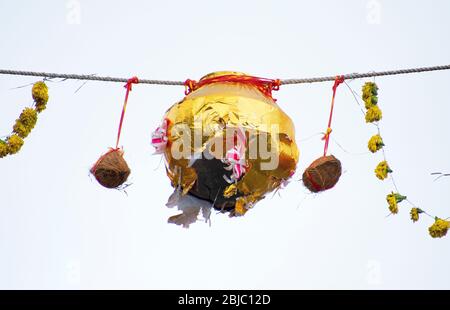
[(60, 229)]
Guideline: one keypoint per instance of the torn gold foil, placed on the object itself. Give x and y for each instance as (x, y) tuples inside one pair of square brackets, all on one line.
[(199, 125)]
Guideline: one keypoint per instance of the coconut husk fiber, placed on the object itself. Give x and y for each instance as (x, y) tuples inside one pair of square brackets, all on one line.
[(322, 174), (111, 170)]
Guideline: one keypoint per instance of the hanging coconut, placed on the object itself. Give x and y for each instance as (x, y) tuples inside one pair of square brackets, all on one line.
[(322, 174), (111, 170), (226, 144)]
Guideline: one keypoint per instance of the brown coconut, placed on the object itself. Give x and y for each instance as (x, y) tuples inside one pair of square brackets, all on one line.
[(111, 170), (322, 174)]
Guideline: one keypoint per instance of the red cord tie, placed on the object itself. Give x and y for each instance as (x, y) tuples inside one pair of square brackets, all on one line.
[(263, 85), (128, 86), (276, 84), (338, 81), (190, 86)]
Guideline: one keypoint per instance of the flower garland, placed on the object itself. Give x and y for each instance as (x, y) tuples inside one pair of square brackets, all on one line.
[(373, 115), (26, 121)]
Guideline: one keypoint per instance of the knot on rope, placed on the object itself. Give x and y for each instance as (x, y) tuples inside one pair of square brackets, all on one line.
[(190, 86), (131, 81), (276, 84), (338, 81)]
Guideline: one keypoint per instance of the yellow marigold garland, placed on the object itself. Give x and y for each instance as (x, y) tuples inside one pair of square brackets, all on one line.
[(393, 200), (20, 129), (439, 228), (26, 121), (373, 114), (375, 143), (370, 98), (415, 214), (369, 89), (14, 144), (3, 149), (392, 204), (370, 102), (382, 170), (40, 95)]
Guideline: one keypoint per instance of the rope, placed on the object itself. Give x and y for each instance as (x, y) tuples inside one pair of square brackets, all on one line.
[(92, 77), (87, 77), (353, 76)]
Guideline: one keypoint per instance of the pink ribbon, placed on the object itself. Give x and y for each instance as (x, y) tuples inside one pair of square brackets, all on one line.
[(159, 137), (235, 158)]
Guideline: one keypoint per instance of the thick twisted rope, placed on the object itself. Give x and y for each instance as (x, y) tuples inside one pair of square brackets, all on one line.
[(86, 77), (92, 77), (352, 76)]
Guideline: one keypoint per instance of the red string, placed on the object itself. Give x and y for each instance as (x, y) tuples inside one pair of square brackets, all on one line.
[(339, 80), (264, 85), (131, 81)]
